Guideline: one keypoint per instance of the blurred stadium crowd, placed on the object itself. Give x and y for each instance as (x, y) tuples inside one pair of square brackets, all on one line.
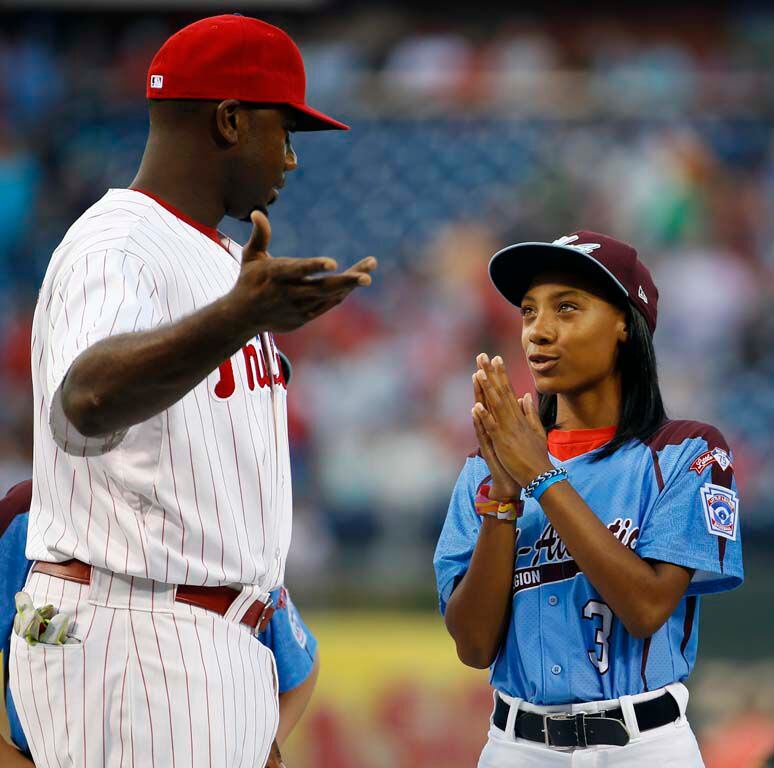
[(465, 138)]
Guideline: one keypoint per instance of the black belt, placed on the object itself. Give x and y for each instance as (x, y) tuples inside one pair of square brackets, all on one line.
[(583, 730)]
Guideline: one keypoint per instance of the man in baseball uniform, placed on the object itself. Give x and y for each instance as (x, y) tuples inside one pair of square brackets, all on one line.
[(161, 497), (290, 640)]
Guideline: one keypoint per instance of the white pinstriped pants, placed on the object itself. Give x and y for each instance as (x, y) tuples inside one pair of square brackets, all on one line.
[(158, 685)]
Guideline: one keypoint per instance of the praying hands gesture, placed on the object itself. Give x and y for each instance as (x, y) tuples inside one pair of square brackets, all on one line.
[(513, 444), (511, 436)]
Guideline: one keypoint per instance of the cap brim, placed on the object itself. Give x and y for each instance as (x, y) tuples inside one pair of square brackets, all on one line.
[(309, 119), (513, 268)]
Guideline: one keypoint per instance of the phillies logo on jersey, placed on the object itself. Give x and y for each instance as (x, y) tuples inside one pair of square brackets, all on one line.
[(716, 455), (257, 372), (721, 510)]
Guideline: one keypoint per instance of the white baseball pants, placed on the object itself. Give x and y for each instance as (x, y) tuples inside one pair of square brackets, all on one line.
[(670, 746), (154, 682)]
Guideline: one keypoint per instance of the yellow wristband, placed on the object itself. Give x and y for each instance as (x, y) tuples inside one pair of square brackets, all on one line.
[(486, 507), (508, 511)]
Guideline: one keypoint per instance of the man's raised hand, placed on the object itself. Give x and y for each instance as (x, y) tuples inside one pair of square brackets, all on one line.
[(281, 294)]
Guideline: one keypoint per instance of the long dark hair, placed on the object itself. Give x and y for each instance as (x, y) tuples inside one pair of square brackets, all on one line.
[(642, 409)]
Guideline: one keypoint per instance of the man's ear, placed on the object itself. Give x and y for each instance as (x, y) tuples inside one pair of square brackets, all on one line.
[(226, 122)]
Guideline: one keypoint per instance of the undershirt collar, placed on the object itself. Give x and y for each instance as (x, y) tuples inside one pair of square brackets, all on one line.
[(210, 232), (566, 444)]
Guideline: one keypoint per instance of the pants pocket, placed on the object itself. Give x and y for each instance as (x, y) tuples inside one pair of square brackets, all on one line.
[(43, 681)]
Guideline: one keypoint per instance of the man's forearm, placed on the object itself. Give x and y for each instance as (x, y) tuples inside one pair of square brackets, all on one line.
[(478, 610), (125, 379), (128, 378)]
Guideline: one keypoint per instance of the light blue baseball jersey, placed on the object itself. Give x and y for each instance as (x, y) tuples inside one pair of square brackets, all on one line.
[(287, 635), (672, 498)]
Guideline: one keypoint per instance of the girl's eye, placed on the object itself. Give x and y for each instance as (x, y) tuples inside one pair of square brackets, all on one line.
[(565, 307), (525, 311)]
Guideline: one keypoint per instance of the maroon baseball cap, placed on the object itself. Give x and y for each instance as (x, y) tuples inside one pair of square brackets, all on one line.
[(513, 269), (235, 57)]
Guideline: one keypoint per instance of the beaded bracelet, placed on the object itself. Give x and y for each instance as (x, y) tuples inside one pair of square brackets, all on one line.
[(542, 483)]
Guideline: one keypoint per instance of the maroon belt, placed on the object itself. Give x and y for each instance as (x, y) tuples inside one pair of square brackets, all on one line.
[(217, 599)]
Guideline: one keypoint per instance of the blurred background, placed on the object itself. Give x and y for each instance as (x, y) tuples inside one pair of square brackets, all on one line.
[(471, 129)]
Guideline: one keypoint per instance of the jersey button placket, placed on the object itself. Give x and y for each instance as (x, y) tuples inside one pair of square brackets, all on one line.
[(558, 672), (553, 600)]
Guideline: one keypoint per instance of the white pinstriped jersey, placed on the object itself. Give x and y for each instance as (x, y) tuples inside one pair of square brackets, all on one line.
[(199, 493)]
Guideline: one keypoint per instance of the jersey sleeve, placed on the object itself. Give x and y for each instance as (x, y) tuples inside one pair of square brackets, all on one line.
[(103, 294), (695, 520), (460, 531), (291, 641)]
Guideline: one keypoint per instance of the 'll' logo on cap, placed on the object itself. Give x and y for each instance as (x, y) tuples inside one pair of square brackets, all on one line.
[(157, 81), (641, 294), (568, 241)]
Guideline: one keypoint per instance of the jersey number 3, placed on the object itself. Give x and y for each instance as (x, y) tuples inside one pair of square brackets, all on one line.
[(595, 609)]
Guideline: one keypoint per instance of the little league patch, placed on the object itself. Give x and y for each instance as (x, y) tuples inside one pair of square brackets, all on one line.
[(721, 509)]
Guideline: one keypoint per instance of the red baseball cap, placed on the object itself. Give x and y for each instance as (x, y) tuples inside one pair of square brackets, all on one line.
[(513, 269), (235, 57)]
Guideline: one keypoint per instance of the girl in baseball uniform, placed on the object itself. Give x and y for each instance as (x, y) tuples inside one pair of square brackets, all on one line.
[(582, 533)]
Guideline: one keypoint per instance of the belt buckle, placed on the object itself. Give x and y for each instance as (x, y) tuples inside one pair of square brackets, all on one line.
[(546, 718), (268, 604)]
